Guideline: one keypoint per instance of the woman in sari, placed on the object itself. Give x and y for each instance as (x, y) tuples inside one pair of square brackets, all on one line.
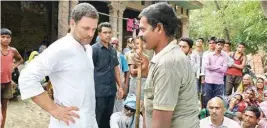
[(245, 84), (260, 90)]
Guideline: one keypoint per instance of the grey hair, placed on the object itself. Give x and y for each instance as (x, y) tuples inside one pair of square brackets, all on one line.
[(84, 9)]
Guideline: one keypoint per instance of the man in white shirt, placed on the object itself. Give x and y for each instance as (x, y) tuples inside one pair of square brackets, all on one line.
[(216, 108), (186, 45), (69, 65)]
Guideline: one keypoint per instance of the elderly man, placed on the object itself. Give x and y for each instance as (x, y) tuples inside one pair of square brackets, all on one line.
[(126, 118), (216, 108), (251, 117)]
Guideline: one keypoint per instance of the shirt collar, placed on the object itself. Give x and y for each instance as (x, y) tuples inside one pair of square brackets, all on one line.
[(76, 42), (223, 125), (165, 50), (214, 53), (101, 45)]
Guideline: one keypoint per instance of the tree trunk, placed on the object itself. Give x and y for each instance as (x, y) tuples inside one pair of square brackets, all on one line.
[(264, 7), (225, 30)]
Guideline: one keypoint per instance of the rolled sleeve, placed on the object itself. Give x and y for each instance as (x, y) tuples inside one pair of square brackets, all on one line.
[(35, 71), (166, 89)]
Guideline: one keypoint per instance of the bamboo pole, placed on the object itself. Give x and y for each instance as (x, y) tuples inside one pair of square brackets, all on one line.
[(138, 88)]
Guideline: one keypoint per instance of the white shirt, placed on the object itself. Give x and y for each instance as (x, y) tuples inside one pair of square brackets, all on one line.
[(195, 62), (119, 120), (227, 123), (71, 72)]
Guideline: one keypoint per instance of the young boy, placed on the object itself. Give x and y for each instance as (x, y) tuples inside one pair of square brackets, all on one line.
[(8, 54)]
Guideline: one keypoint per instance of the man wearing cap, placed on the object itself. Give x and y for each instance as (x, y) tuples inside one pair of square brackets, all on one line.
[(8, 54), (126, 118)]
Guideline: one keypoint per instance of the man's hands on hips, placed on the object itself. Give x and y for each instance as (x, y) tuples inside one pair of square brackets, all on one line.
[(65, 114)]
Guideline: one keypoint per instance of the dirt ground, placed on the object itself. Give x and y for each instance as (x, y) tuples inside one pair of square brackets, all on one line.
[(26, 114)]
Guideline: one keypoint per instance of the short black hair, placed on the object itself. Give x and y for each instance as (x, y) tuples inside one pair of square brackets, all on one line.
[(228, 42), (161, 13), (212, 38), (200, 38), (222, 41), (255, 110), (242, 43), (103, 24), (188, 41), (5, 31)]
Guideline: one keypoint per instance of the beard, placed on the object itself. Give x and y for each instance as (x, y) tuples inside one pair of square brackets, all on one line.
[(85, 41), (127, 119)]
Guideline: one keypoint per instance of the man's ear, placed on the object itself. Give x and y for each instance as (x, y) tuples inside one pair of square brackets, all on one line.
[(72, 23), (160, 28)]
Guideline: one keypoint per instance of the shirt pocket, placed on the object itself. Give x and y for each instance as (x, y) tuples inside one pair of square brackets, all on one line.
[(149, 89), (103, 61)]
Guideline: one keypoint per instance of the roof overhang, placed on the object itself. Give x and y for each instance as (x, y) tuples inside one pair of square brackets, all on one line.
[(188, 4)]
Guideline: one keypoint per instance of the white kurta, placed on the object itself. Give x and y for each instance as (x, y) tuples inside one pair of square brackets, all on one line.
[(118, 120), (71, 72)]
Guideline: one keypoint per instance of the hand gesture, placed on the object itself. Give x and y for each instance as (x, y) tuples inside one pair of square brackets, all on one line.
[(65, 114), (136, 58)]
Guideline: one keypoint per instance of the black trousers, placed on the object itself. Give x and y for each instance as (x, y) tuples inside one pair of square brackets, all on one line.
[(104, 109)]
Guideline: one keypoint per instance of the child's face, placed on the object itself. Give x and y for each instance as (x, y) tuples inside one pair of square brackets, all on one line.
[(5, 40)]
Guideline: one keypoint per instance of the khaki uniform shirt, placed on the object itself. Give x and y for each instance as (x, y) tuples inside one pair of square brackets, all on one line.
[(171, 86)]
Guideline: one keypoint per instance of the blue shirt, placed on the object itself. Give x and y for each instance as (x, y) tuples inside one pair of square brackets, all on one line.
[(123, 64)]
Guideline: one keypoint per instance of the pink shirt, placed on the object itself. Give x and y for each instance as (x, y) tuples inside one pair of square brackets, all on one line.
[(7, 66), (216, 66)]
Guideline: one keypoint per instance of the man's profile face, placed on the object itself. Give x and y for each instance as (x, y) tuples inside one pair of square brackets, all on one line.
[(84, 29), (147, 31), (115, 44), (5, 40), (184, 47), (249, 119)]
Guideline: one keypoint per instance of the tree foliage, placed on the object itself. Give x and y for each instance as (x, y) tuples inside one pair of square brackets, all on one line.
[(243, 21)]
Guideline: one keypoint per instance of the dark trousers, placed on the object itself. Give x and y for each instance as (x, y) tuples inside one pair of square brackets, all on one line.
[(104, 109), (232, 82), (212, 90)]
